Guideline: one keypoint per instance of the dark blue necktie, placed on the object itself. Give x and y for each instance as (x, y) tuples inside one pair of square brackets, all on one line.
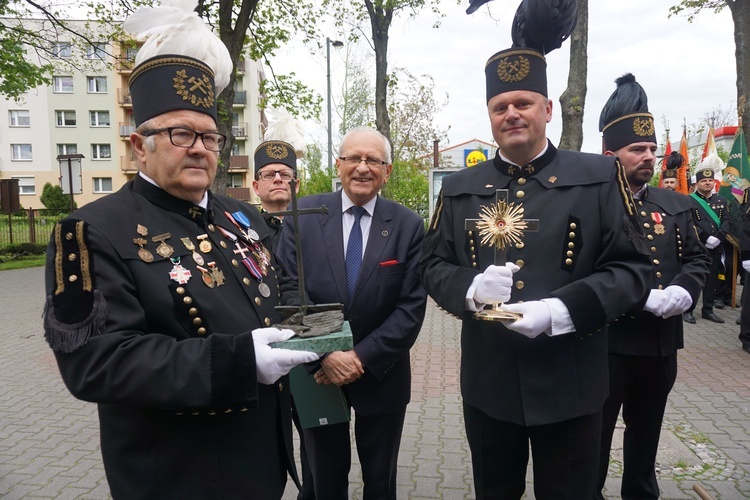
[(354, 251)]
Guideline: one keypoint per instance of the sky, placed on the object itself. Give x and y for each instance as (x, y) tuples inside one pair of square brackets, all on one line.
[(687, 69)]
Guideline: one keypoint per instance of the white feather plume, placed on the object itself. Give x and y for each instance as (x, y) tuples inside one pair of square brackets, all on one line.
[(175, 28), (283, 127), (712, 162)]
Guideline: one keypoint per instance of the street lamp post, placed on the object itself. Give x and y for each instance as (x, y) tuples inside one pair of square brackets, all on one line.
[(336, 44)]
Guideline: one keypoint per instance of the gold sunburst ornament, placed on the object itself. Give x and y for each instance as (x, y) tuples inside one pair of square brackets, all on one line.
[(501, 224)]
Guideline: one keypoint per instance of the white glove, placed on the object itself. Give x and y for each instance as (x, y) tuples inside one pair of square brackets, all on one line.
[(712, 242), (272, 364), (746, 265), (495, 283), (679, 301), (537, 318), (656, 302)]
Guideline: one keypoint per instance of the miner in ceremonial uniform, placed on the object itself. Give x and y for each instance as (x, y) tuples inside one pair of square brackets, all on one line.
[(712, 221), (160, 297), (541, 379), (275, 166), (643, 344), (744, 319), (669, 175)]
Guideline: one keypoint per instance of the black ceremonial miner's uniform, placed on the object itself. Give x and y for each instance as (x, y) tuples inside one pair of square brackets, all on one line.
[(707, 227), (582, 254), (173, 368), (643, 347)]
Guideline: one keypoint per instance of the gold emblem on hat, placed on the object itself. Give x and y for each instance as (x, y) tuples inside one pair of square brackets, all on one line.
[(277, 151), (513, 69), (643, 127), (501, 224), (189, 93)]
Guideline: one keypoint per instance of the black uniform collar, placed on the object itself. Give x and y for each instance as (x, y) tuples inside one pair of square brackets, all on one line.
[(533, 167), (271, 220), (158, 196)]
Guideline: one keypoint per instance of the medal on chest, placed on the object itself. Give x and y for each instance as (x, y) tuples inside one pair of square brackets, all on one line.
[(179, 273), (658, 226)]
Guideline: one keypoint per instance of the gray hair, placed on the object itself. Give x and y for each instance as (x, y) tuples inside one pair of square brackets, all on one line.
[(371, 131), (148, 142)]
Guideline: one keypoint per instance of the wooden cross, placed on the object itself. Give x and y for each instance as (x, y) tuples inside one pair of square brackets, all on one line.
[(295, 213)]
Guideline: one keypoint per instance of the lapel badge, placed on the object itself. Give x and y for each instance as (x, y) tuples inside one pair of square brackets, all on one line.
[(552, 179)]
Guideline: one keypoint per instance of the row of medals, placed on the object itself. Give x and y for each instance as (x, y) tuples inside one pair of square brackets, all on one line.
[(212, 276)]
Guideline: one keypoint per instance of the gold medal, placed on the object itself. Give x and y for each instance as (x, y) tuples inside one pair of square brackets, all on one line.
[(206, 277), (204, 245), (659, 229), (144, 254), (142, 230), (163, 249), (216, 273), (197, 258)]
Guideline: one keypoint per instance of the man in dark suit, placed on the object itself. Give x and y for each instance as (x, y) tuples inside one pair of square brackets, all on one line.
[(364, 253), (712, 221), (643, 344)]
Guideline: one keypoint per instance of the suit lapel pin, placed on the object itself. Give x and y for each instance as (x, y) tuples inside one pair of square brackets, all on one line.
[(384, 233)]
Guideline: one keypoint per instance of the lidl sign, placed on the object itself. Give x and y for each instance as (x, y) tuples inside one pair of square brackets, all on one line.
[(474, 156)]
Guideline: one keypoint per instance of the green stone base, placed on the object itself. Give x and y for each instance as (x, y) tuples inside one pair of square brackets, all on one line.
[(335, 341)]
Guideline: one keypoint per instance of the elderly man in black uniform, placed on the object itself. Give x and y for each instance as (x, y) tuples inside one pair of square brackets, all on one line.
[(159, 303), (712, 221), (643, 345), (275, 166), (541, 379)]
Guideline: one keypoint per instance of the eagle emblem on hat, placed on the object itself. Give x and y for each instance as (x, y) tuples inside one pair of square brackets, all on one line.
[(277, 151), (513, 68), (643, 127)]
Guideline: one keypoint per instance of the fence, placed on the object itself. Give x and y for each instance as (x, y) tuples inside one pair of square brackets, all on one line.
[(33, 226)]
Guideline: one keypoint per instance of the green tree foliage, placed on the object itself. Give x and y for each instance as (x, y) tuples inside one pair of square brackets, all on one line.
[(408, 185), (316, 178), (53, 198)]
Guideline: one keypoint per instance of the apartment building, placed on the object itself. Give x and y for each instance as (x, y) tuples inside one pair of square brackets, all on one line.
[(87, 110)]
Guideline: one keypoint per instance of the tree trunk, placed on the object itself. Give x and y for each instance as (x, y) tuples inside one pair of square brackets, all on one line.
[(573, 100), (380, 19), (741, 16)]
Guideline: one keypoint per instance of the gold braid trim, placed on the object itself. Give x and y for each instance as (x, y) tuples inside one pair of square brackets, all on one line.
[(85, 270), (58, 260), (437, 213), (627, 196)]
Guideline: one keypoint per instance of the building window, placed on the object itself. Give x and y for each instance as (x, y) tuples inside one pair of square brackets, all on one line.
[(235, 149), (62, 50), (67, 149), (65, 118), (96, 51), (99, 118), (21, 152), (64, 84), (26, 185), (130, 53), (102, 184), (101, 151), (235, 180), (19, 118), (97, 84)]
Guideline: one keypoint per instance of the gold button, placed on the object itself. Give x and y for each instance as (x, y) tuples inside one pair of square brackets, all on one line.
[(646, 225), (573, 225), (569, 253), (201, 331), (212, 412), (180, 290), (520, 263), (472, 249), (677, 229), (246, 281), (223, 244), (281, 386), (658, 274), (257, 301), (656, 262), (68, 236), (72, 278), (643, 214), (193, 311), (571, 235), (568, 261), (188, 300), (473, 264), (661, 287), (520, 245), (653, 249), (650, 236), (473, 257), (267, 321), (471, 233), (197, 321), (72, 256), (228, 410), (522, 181), (520, 194), (571, 245), (211, 228), (640, 203), (235, 263), (520, 284), (243, 409)]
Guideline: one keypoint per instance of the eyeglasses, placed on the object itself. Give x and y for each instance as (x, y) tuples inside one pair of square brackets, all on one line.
[(269, 175), (185, 138), (353, 161)]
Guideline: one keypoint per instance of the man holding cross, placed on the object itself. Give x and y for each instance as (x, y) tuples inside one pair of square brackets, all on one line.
[(541, 379)]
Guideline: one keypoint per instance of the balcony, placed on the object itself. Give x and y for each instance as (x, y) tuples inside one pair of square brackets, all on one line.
[(240, 98), (239, 163), (240, 193), (126, 129), (124, 99), (128, 165), (241, 66), (239, 130), (125, 65)]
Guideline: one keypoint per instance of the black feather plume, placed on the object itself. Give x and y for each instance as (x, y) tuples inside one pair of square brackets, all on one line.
[(544, 24), (475, 4), (674, 160), (629, 97)]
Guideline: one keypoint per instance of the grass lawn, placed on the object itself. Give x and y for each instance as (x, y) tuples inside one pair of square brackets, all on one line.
[(20, 262)]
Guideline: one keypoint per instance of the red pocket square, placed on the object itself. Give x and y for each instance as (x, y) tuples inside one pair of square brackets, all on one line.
[(388, 263)]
